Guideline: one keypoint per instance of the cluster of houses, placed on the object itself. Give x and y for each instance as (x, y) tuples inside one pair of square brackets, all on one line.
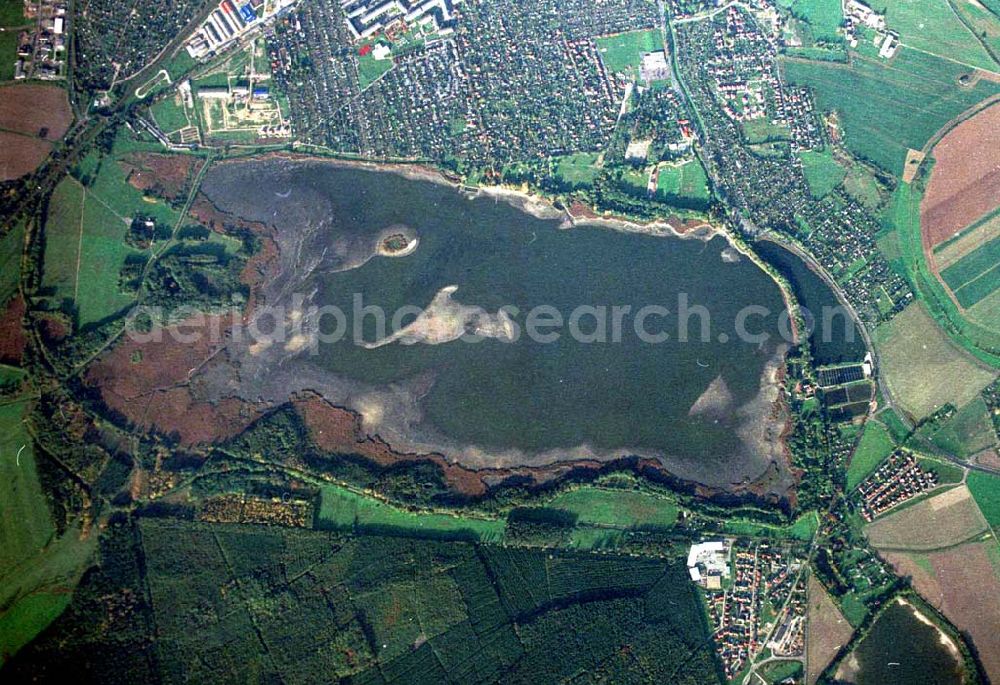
[(898, 479), (757, 574), (229, 21), (41, 49), (365, 18), (857, 15)]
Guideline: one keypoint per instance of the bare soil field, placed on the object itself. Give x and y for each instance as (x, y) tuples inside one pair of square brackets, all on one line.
[(165, 176), (12, 341), (35, 110), (943, 520), (962, 582), (826, 631), (20, 155), (150, 384), (965, 182)]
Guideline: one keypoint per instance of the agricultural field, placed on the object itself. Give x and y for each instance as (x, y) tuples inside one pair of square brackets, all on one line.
[(298, 606), (876, 444), (623, 52), (963, 582), (976, 275), (924, 369), (887, 109), (341, 509), (942, 520), (687, 181), (933, 26), (985, 488), (823, 172), (826, 630), (616, 508), (968, 240), (964, 184)]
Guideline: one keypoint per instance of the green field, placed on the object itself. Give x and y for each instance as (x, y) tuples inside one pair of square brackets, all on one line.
[(342, 509), (823, 173), (62, 239), (577, 170), (687, 181), (623, 51), (28, 617), (982, 22), (85, 237), (876, 444), (985, 489), (968, 432), (761, 131), (8, 54), (780, 671), (861, 185), (617, 508), (933, 26), (976, 275), (823, 16), (923, 368), (11, 246), (25, 526), (170, 114), (12, 13), (803, 528), (887, 108), (370, 69)]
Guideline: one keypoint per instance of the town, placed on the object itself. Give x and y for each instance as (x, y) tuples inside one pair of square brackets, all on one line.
[(897, 480)]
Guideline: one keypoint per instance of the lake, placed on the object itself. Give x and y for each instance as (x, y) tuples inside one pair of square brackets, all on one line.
[(706, 406), (831, 344), (901, 648)]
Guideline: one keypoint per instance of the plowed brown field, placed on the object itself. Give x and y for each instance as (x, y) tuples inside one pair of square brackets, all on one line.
[(965, 182)]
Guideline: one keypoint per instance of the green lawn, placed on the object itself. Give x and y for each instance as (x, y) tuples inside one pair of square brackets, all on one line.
[(823, 16), (617, 508), (762, 131), (933, 26), (342, 509), (370, 69), (169, 113), (985, 489), (578, 169), (947, 472), (823, 173), (623, 51), (876, 444), (686, 181), (886, 108)]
